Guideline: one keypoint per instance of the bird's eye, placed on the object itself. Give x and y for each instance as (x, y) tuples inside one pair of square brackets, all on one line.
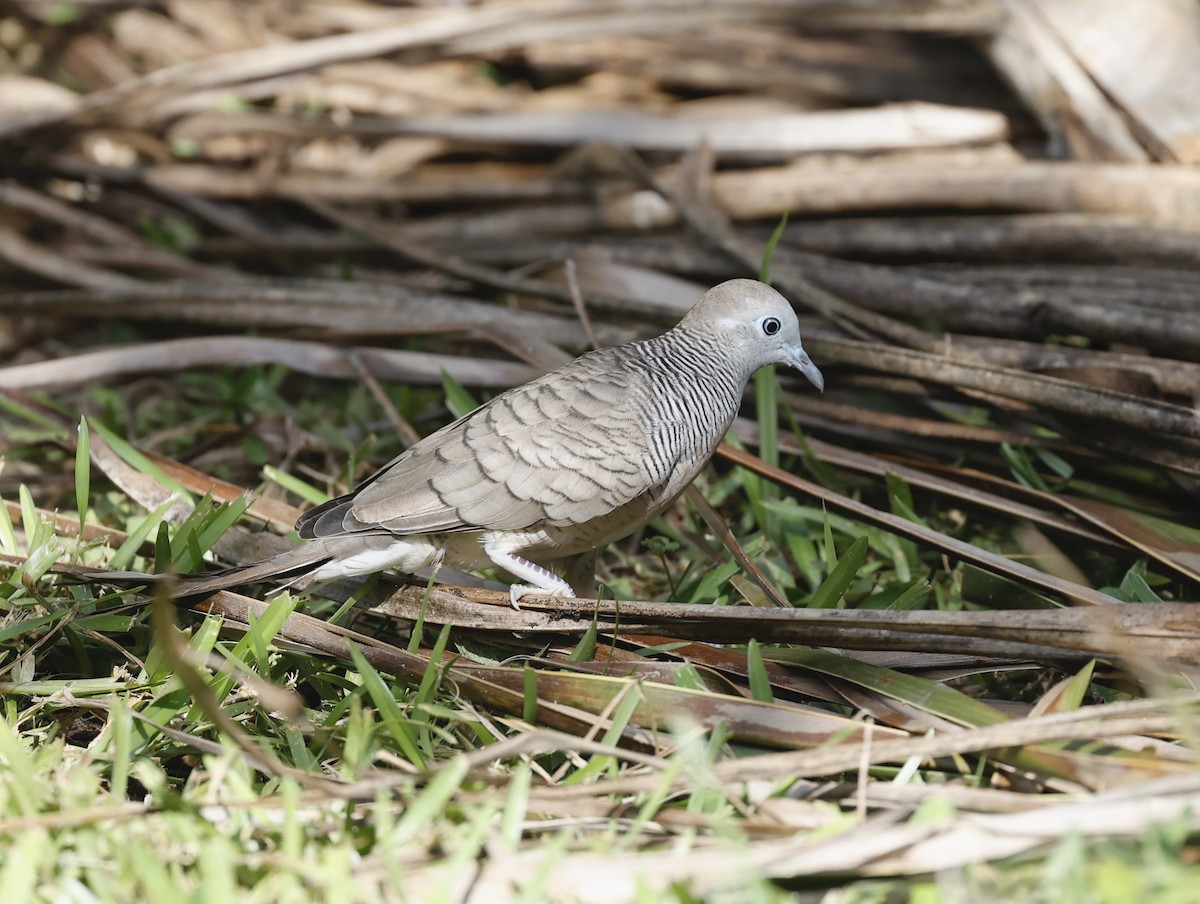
[(771, 326)]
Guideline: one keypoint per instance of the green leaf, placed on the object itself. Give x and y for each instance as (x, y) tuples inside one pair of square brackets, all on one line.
[(585, 650), (1054, 462), (8, 537), (760, 681), (913, 597), (433, 672), (529, 707), (123, 557), (428, 808), (623, 715), (830, 593), (1135, 588), (294, 485), (516, 804), (766, 402), (829, 549), (1076, 690), (458, 400), (221, 519), (60, 15), (83, 474), (24, 781), (121, 721), (710, 585), (34, 417), (396, 723), (764, 270), (135, 459), (36, 533), (928, 696)]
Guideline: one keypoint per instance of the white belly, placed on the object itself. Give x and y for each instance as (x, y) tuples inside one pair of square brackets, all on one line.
[(406, 554)]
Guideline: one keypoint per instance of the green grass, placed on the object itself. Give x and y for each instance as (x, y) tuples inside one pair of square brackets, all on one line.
[(144, 764)]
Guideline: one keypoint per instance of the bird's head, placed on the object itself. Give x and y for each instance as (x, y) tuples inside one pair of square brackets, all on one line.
[(757, 322)]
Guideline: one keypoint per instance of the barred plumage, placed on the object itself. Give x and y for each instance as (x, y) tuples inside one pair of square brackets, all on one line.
[(570, 461)]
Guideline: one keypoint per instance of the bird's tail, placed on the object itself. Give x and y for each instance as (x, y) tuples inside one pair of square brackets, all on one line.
[(293, 563)]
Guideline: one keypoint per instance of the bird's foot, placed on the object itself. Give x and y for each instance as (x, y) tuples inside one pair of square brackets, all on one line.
[(516, 591), (541, 580)]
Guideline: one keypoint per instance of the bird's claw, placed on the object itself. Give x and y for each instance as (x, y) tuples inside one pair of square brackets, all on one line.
[(516, 591)]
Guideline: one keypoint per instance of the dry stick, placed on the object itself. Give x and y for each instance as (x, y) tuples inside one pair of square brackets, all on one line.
[(67, 525), (993, 300), (1167, 452), (116, 243), (1054, 393), (847, 418), (718, 526), (390, 237), (567, 22), (1171, 377), (1086, 726), (711, 224), (136, 258), (275, 60), (542, 740), (956, 301), (1141, 717), (32, 258), (430, 184), (1162, 195), (308, 357), (106, 812), (577, 301), (929, 293), (1054, 85), (1161, 635), (1121, 47), (1169, 194), (1172, 331), (235, 221), (525, 346), (919, 434), (338, 307), (775, 135), (94, 227), (408, 434), (1172, 452), (1040, 236), (1129, 281)]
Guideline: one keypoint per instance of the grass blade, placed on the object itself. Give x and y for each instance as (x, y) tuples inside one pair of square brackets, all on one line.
[(830, 593), (83, 474)]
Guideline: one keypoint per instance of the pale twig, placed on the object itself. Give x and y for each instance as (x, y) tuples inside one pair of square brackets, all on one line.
[(577, 301)]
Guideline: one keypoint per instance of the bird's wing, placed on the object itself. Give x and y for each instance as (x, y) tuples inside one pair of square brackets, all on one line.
[(568, 447)]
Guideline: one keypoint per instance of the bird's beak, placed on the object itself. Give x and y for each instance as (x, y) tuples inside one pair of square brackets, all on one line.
[(799, 359)]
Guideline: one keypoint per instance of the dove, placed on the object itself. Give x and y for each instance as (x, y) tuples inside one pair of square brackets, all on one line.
[(549, 471)]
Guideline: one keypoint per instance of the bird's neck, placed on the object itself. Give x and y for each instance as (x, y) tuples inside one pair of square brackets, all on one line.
[(698, 372), (704, 353)]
